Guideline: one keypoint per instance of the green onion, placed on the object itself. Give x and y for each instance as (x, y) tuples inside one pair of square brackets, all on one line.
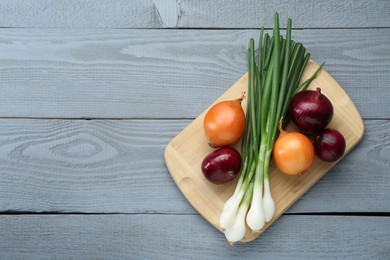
[(272, 82), (237, 230)]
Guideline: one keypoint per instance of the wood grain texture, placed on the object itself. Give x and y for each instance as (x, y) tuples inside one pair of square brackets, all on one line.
[(71, 73), (118, 167), (80, 14), (305, 14), (189, 237), (191, 13)]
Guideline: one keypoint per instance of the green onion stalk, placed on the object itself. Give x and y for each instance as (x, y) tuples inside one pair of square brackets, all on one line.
[(272, 82)]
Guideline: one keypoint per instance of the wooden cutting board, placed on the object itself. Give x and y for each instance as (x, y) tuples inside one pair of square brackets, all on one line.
[(185, 152)]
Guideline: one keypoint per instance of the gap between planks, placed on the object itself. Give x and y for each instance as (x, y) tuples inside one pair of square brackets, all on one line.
[(132, 118), (344, 214), (204, 28), (98, 118)]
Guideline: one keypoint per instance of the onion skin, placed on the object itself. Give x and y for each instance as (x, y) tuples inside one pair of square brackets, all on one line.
[(221, 165), (293, 153), (311, 111), (329, 145), (224, 123)]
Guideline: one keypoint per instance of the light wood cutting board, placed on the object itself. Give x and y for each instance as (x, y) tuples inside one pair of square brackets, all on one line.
[(185, 152)]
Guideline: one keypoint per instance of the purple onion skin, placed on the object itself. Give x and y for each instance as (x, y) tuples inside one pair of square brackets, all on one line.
[(222, 165), (311, 111), (329, 145)]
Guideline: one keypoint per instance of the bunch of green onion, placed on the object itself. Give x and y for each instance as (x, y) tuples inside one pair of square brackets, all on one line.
[(272, 82)]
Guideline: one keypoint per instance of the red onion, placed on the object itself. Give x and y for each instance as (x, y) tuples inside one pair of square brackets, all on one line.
[(329, 145), (311, 111), (222, 165)]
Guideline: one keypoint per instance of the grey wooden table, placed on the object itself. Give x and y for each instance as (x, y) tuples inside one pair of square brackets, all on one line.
[(92, 91)]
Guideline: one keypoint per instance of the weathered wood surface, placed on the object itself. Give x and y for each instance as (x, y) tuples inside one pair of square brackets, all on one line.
[(191, 13), (118, 167), (67, 59), (189, 237), (166, 73)]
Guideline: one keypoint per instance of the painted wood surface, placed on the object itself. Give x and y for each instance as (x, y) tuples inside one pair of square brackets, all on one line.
[(117, 166), (91, 59), (166, 73), (191, 13), (189, 237)]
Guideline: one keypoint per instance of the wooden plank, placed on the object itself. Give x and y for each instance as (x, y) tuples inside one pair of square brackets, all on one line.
[(103, 166), (80, 14), (68, 73), (189, 237), (191, 13), (305, 14)]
